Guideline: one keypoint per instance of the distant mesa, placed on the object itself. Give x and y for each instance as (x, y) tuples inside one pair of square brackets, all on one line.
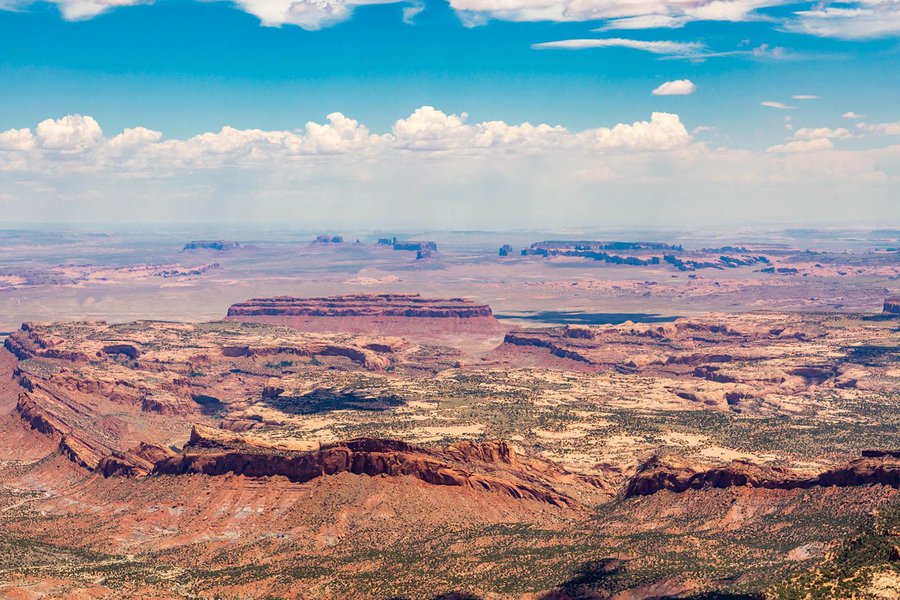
[(780, 270), (422, 248), (329, 239), (721, 262), (646, 253), (506, 250), (391, 314), (892, 305), (559, 246), (179, 271), (217, 245), (597, 250)]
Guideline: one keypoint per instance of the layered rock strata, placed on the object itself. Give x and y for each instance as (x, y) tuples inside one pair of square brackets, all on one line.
[(369, 313)]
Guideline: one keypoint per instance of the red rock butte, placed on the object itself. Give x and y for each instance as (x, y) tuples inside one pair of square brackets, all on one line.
[(395, 314)]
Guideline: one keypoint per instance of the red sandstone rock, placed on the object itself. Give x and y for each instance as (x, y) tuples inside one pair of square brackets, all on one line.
[(215, 452), (367, 313), (678, 474)]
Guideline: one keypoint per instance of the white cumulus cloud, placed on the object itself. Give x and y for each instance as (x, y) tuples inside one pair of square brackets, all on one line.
[(664, 131), (678, 87), (77, 142), (431, 129), (437, 168), (72, 133), (16, 139)]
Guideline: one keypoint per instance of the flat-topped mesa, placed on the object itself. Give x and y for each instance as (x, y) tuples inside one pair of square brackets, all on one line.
[(892, 306), (416, 246), (588, 245), (490, 467), (217, 245), (396, 314), (422, 246), (646, 254)]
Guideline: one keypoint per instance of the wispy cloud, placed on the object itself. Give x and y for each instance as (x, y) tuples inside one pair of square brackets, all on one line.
[(852, 115), (804, 97), (803, 146), (633, 14), (763, 52), (774, 104), (412, 11), (851, 20), (645, 22), (654, 47), (862, 20)]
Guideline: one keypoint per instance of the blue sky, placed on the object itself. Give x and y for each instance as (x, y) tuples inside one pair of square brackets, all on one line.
[(183, 68)]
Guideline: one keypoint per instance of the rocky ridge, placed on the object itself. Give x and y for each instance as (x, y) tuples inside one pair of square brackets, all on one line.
[(489, 466), (678, 474)]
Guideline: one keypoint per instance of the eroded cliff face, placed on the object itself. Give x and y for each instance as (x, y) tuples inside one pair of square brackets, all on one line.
[(117, 399), (892, 306), (362, 305), (490, 467), (678, 474), (80, 449), (104, 393)]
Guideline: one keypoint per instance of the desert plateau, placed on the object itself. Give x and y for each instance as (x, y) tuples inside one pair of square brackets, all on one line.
[(450, 300), (384, 443)]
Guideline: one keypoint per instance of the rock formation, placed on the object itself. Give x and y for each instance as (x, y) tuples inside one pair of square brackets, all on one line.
[(213, 452), (419, 246), (684, 348), (649, 253), (892, 305), (100, 391), (678, 474), (396, 314), (329, 239), (217, 245)]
